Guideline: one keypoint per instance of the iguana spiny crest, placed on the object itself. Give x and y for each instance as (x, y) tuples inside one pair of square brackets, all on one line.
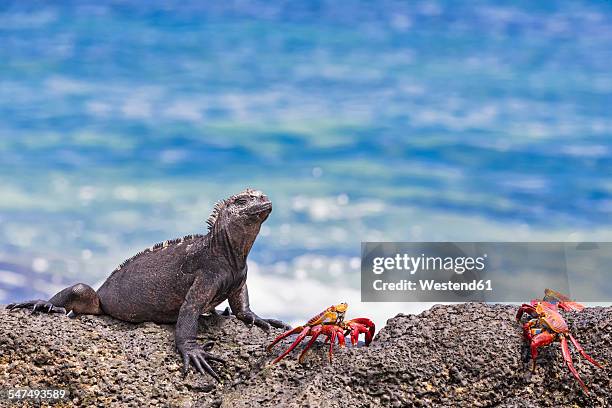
[(236, 209)]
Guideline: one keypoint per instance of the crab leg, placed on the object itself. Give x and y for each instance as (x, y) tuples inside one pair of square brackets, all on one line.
[(582, 352), (354, 334), (527, 329), (285, 334), (570, 306), (568, 360), (331, 345), (297, 341), (540, 340), (315, 332), (341, 340)]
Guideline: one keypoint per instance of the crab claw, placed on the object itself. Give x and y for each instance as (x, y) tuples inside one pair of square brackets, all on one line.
[(360, 325)]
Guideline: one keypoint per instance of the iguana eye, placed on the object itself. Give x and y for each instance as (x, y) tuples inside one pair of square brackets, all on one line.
[(241, 201)]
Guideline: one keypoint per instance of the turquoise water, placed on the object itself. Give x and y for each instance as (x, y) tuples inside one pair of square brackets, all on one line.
[(120, 125)]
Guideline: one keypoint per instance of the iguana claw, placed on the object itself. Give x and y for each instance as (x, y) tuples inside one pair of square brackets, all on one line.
[(37, 306), (250, 319), (196, 355)]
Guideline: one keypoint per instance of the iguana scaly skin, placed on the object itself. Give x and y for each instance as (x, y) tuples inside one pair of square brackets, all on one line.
[(177, 280)]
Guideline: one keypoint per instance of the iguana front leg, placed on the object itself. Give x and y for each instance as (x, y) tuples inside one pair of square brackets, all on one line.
[(198, 297), (239, 303)]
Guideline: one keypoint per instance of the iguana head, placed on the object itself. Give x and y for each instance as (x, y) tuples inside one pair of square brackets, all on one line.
[(240, 217)]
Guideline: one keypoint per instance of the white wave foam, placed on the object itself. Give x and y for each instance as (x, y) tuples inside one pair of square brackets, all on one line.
[(272, 296)]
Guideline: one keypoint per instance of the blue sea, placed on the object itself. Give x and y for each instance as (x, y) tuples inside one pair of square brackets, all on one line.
[(121, 123)]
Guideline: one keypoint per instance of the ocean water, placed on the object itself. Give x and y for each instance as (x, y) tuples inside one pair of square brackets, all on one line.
[(122, 123)]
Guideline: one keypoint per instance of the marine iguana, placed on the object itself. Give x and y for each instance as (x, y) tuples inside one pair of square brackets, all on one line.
[(177, 280)]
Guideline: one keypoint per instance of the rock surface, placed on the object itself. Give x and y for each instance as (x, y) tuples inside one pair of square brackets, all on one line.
[(450, 356)]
